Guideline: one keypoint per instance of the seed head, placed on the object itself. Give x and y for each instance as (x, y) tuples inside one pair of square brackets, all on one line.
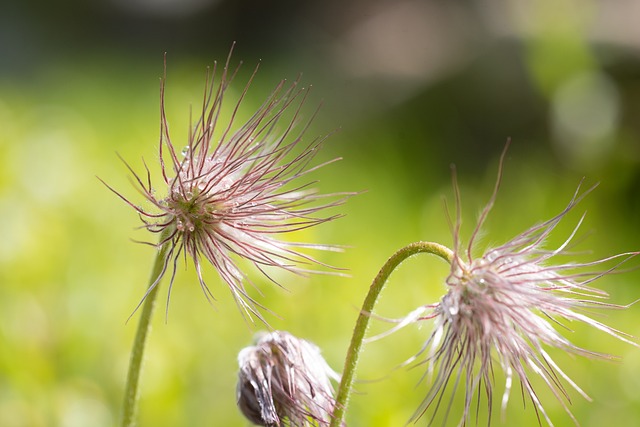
[(504, 308), (284, 381), (234, 188)]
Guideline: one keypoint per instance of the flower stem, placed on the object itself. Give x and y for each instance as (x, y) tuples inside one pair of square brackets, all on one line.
[(353, 354), (132, 393)]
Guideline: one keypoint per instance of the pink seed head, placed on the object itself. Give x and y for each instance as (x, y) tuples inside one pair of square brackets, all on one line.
[(504, 309), (236, 187)]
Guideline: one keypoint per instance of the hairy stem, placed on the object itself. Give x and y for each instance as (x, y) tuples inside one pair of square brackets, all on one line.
[(353, 354), (132, 392)]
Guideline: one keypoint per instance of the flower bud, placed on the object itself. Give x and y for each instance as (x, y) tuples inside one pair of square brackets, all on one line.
[(284, 380)]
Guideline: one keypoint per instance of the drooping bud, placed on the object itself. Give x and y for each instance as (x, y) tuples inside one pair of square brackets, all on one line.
[(285, 381)]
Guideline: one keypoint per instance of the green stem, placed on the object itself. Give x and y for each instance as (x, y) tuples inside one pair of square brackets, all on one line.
[(132, 393), (353, 354)]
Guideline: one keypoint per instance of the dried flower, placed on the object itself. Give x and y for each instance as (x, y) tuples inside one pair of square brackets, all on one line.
[(502, 307), (230, 191), (284, 380)]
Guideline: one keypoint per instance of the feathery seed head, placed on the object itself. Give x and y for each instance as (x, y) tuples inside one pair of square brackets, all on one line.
[(503, 308), (235, 187), (285, 381)]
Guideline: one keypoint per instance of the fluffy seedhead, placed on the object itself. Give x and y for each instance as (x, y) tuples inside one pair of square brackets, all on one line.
[(285, 381), (505, 308), (234, 188)]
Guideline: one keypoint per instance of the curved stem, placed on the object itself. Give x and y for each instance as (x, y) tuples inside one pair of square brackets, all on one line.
[(131, 395), (353, 354)]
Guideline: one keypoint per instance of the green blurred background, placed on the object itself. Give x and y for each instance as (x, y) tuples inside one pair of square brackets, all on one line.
[(412, 86)]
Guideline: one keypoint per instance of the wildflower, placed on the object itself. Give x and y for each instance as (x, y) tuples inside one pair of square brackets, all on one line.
[(284, 380), (234, 188), (502, 307)]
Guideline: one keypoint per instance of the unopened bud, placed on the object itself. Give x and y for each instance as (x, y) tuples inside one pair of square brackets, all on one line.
[(284, 380)]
